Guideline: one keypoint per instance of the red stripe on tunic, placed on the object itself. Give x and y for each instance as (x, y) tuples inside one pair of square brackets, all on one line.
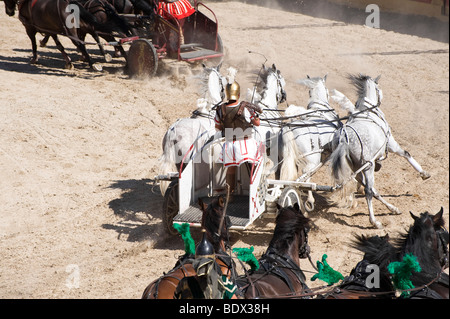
[(180, 9)]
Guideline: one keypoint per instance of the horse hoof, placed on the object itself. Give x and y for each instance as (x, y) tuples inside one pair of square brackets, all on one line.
[(425, 175), (69, 66), (97, 67), (108, 57), (42, 44), (33, 60), (377, 224)]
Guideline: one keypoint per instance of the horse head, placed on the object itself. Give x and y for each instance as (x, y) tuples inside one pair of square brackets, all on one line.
[(428, 234), (213, 85), (10, 7), (318, 92), (271, 86), (370, 95), (215, 222), (291, 233)]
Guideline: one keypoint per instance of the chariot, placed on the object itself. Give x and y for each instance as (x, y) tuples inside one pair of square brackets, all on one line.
[(164, 36), (202, 176)]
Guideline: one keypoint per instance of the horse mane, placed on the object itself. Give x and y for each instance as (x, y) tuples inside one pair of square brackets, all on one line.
[(203, 78), (377, 250), (289, 222), (382, 251), (359, 81), (262, 76)]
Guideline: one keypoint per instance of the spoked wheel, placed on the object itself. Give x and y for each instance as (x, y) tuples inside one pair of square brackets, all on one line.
[(142, 59), (171, 207)]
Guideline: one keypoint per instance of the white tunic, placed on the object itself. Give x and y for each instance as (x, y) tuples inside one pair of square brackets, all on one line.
[(236, 152)]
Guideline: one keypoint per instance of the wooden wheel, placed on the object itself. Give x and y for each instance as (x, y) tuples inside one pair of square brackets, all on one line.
[(171, 206), (142, 59)]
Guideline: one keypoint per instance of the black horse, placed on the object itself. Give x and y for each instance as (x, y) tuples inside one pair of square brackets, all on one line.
[(10, 7), (108, 23), (50, 17), (427, 239), (279, 275)]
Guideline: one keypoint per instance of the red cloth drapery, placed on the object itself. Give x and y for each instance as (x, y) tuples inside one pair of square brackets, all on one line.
[(179, 9)]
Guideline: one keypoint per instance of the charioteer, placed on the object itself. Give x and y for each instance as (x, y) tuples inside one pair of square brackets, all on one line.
[(236, 121)]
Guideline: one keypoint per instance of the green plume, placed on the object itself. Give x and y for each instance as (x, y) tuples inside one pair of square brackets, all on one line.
[(326, 273), (189, 243), (402, 271), (246, 255)]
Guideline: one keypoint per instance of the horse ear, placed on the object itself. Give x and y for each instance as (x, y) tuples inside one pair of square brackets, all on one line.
[(296, 207), (274, 67), (325, 77), (221, 202), (413, 216), (219, 66), (203, 206), (307, 76), (377, 79), (204, 65), (437, 219)]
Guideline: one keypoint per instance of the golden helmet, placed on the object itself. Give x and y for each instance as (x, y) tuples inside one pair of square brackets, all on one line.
[(233, 91)]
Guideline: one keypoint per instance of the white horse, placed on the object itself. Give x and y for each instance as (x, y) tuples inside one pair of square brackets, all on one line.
[(188, 133), (307, 141), (365, 140), (268, 94)]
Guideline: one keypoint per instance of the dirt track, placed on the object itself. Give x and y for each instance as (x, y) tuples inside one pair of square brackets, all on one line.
[(79, 149)]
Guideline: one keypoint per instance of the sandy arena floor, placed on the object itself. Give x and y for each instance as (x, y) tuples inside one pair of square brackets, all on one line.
[(79, 149)]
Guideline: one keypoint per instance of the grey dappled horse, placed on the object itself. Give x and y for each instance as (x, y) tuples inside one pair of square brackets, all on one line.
[(364, 141)]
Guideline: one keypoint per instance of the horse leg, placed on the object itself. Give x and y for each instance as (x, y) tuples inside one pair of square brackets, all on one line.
[(60, 47), (85, 55), (394, 147), (368, 182), (370, 191), (391, 207), (32, 35), (44, 41), (106, 56)]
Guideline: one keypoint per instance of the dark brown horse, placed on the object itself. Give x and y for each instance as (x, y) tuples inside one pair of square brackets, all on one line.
[(165, 286), (427, 239), (50, 17), (279, 275), (109, 23), (10, 7)]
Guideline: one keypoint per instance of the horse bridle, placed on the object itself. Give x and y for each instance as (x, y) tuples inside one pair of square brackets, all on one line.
[(443, 240), (304, 249)]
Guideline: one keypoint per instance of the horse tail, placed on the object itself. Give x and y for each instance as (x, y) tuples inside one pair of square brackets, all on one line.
[(341, 169), (167, 161), (291, 157)]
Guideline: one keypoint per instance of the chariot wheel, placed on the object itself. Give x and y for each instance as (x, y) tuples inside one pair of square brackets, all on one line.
[(142, 59), (171, 207), (289, 197)]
